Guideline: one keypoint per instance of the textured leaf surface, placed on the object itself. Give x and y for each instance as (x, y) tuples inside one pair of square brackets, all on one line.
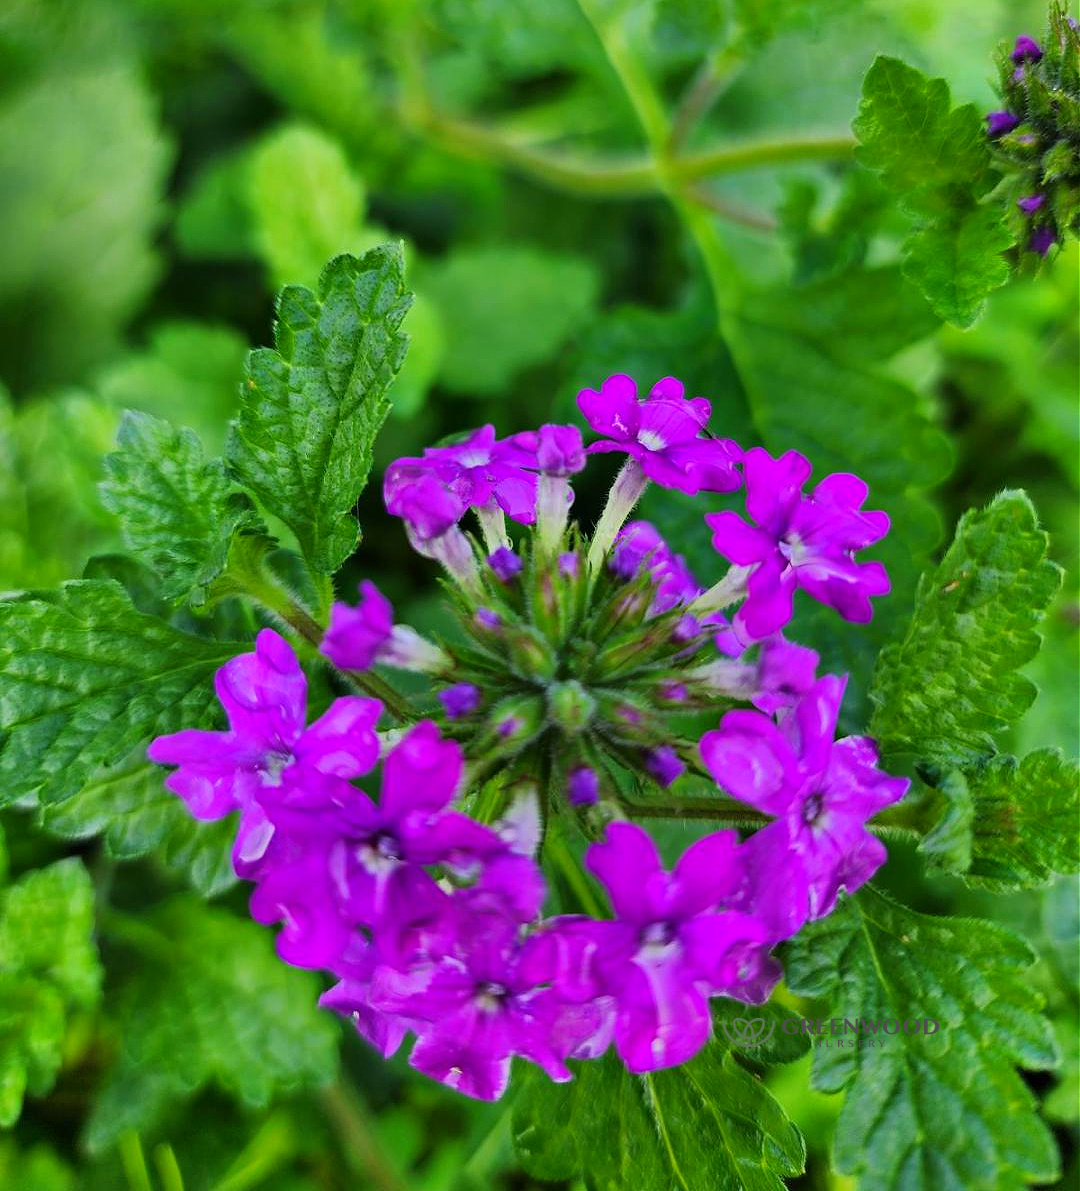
[(311, 407), (48, 964), (85, 679), (504, 308), (212, 1002), (707, 1126), (129, 806), (178, 511), (939, 1112), (1009, 823), (952, 683)]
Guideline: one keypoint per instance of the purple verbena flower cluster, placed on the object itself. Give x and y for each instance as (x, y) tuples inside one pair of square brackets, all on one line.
[(564, 708)]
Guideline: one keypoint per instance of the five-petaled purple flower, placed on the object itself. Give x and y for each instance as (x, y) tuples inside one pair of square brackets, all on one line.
[(663, 434), (800, 541)]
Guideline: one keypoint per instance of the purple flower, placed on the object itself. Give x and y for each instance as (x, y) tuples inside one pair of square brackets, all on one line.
[(1031, 203), (999, 123), (488, 619), (583, 786), (427, 503), (664, 764), (662, 434), (486, 1004), (800, 541), (1042, 240), (505, 563), (267, 747), (639, 544), (669, 948), (785, 673), (1026, 50), (821, 791), (356, 635), (553, 450), (460, 700)]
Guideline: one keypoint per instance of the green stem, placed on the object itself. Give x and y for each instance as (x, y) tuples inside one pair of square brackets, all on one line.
[(750, 155), (134, 1162), (378, 688), (273, 1145), (721, 810), (168, 1168), (359, 1143)]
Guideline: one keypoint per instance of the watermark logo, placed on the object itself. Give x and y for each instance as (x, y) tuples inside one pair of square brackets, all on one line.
[(748, 1031)]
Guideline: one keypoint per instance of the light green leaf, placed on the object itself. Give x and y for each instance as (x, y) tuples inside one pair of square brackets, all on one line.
[(709, 1125), (1011, 824), (178, 512), (306, 203), (944, 1111), (85, 679), (504, 308), (211, 1003), (129, 806), (48, 964), (952, 683), (35, 1169), (311, 407)]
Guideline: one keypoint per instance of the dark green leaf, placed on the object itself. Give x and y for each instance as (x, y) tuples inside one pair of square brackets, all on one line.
[(85, 679), (944, 1111), (311, 407)]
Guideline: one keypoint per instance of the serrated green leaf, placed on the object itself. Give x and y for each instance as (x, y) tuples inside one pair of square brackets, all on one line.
[(311, 407), (952, 683), (212, 1003), (85, 679), (709, 1125), (944, 1111), (1011, 824), (178, 511), (129, 806), (306, 203), (48, 964), (505, 307), (957, 261)]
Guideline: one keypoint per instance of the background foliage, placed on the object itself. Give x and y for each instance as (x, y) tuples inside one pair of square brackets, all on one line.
[(166, 166)]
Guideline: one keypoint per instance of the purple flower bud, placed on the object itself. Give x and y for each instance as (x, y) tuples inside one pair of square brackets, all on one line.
[(999, 123), (686, 628), (583, 788), (505, 563), (569, 564), (1031, 202), (1042, 240), (674, 692), (488, 619), (356, 636), (460, 700), (1026, 50), (664, 764), (509, 726)]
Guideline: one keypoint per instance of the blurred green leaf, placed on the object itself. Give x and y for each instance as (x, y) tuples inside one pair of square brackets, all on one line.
[(211, 1002), (311, 408), (35, 1169), (928, 1111), (709, 1125), (85, 678), (48, 964), (504, 308), (178, 511)]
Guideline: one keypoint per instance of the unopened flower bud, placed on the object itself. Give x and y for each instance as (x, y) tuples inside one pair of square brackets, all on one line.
[(664, 764), (583, 786), (460, 700), (505, 563), (570, 706)]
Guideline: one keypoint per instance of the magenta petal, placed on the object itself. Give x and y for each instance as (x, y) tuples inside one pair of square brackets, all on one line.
[(614, 410), (842, 488), (212, 792), (738, 542), (450, 838), (663, 1019), (776, 887), (264, 693), (421, 773), (628, 864), (668, 423), (342, 741), (770, 600), (726, 949), (668, 388), (356, 635), (706, 874), (469, 1052), (773, 486), (750, 758), (811, 728)]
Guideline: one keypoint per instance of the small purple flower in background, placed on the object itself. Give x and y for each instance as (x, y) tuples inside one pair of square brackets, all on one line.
[(1042, 240), (482, 471), (664, 764), (1031, 203), (800, 541), (670, 947), (663, 434), (786, 672), (414, 492), (460, 700), (505, 563), (583, 786), (822, 793), (268, 745), (999, 123), (1026, 50), (639, 545)]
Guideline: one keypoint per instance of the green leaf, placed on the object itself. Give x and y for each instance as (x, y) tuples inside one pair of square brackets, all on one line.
[(504, 308), (35, 1169), (311, 407), (306, 204), (951, 684), (1009, 824), (211, 1003), (929, 1112), (85, 679), (178, 512), (129, 806), (937, 160), (48, 965), (709, 1125), (957, 261)]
